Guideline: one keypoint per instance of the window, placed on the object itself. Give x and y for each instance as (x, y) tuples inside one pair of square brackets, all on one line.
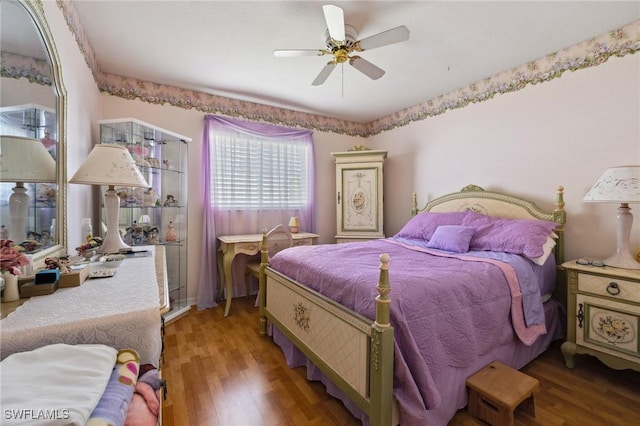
[(250, 172)]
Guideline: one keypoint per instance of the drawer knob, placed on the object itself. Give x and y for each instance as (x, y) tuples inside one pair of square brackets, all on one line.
[(613, 289)]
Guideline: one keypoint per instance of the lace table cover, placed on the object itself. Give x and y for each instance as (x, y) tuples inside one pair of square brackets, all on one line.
[(121, 311)]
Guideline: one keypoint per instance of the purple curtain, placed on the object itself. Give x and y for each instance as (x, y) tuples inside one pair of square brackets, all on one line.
[(228, 222)]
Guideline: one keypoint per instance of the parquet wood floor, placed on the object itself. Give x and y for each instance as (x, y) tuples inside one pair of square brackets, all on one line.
[(221, 372)]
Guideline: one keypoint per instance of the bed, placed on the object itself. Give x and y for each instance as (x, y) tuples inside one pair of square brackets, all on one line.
[(393, 327), (85, 384)]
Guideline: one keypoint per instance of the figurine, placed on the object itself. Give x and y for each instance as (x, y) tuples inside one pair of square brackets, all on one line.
[(128, 236), (138, 153), (171, 233), (123, 194), (33, 235), (47, 141), (153, 235), (150, 198), (170, 201), (46, 195), (61, 263), (167, 164), (138, 234), (126, 198)]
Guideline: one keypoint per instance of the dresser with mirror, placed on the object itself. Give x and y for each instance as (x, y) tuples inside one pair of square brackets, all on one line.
[(32, 133), (33, 115)]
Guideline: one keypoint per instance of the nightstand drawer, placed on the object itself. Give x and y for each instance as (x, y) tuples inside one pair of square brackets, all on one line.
[(303, 242), (608, 326), (609, 286)]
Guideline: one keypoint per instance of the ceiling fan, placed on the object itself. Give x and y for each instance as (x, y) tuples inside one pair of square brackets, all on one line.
[(341, 43)]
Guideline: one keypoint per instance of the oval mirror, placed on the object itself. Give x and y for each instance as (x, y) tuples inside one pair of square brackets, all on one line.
[(32, 125)]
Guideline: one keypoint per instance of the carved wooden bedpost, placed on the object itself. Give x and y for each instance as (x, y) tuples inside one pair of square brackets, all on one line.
[(383, 301), (560, 217), (381, 367), (262, 282), (414, 204)]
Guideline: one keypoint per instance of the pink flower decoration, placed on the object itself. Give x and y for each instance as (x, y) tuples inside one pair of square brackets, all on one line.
[(11, 258)]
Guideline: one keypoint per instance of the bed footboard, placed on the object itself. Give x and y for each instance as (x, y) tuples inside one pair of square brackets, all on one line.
[(356, 354)]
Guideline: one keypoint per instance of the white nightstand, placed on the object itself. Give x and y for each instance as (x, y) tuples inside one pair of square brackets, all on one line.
[(603, 315)]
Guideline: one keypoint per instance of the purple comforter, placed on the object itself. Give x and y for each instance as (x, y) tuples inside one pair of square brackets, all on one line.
[(445, 311)]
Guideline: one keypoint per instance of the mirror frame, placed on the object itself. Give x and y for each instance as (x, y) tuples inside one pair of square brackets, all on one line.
[(35, 10)]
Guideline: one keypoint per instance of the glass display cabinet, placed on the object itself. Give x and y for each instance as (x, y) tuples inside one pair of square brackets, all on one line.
[(157, 214), (28, 177)]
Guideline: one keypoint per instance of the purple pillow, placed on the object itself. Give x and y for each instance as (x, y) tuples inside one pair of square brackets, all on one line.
[(424, 224), (454, 238), (518, 236)]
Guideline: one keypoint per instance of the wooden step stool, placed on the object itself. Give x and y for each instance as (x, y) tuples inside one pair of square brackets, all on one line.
[(497, 390)]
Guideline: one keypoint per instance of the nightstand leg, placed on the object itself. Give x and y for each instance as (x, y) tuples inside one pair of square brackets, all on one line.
[(568, 351)]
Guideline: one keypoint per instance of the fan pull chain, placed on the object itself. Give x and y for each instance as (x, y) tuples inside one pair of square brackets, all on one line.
[(342, 79)]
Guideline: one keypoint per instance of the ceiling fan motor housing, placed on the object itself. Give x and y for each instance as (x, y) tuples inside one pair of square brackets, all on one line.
[(350, 34)]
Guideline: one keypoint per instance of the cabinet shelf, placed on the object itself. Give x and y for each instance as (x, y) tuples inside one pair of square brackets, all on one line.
[(147, 214)]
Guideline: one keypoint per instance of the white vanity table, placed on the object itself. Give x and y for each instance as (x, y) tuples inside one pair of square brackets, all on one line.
[(123, 311)]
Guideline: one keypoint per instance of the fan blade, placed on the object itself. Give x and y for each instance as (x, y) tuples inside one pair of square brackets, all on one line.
[(385, 38), (324, 74), (335, 22), (290, 53), (366, 67)]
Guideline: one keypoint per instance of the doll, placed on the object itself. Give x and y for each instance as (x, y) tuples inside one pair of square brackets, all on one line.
[(170, 201), (171, 233)]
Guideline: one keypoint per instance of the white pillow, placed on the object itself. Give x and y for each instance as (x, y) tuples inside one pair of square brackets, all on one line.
[(546, 250)]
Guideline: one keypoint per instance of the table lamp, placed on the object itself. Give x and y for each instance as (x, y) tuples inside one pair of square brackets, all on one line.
[(145, 221), (23, 160), (619, 184), (110, 165), (294, 224)]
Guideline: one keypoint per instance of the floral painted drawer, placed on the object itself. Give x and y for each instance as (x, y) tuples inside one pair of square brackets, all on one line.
[(608, 326)]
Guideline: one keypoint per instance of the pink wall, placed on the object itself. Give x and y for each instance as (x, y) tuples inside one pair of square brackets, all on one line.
[(564, 132)]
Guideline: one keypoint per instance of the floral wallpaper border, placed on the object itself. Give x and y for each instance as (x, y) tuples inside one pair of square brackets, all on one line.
[(14, 65), (593, 52), (620, 42)]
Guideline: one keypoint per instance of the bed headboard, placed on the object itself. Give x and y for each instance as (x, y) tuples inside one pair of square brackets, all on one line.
[(498, 204)]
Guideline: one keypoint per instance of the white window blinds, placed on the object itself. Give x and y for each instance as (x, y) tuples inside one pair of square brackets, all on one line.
[(254, 173)]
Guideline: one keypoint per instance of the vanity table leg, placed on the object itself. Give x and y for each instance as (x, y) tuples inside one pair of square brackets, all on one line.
[(227, 260), (221, 275)]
